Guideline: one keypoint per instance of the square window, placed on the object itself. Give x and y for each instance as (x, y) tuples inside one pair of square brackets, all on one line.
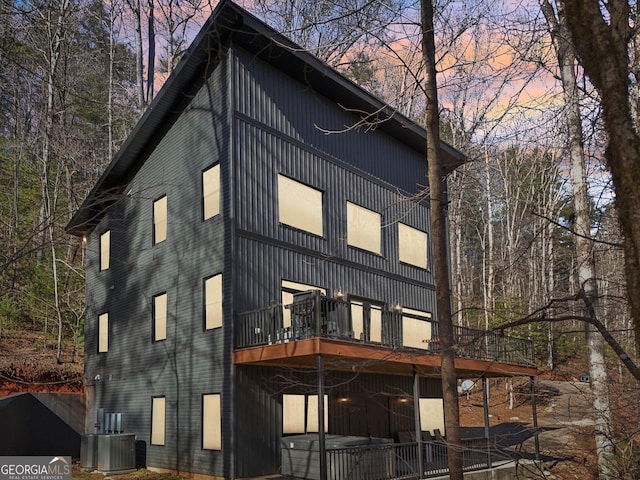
[(300, 413), (160, 220), (364, 228), (211, 422), (416, 328), (412, 246), (160, 317), (213, 302), (299, 206), (211, 192)]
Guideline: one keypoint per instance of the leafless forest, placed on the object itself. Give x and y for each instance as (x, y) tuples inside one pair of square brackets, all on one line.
[(541, 96)]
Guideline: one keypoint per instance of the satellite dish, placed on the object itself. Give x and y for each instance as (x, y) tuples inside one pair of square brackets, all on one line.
[(467, 385)]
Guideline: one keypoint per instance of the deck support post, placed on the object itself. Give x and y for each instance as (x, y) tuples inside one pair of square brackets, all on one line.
[(416, 416), (485, 407), (322, 450), (534, 414)]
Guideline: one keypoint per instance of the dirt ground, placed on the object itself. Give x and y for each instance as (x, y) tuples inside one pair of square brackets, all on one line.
[(28, 364), (566, 430)]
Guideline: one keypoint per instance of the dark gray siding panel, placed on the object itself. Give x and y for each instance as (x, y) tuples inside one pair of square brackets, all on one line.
[(190, 362), (294, 109), (272, 263), (388, 408), (263, 154)]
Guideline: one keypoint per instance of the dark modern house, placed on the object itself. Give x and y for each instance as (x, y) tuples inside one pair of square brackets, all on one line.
[(259, 283)]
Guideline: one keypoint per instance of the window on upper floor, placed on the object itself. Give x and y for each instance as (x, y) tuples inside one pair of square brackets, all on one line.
[(160, 317), (416, 328), (105, 250), (213, 302), (299, 206), (158, 420), (103, 333), (412, 246), (160, 220), (211, 422), (211, 192), (364, 228), (300, 413)]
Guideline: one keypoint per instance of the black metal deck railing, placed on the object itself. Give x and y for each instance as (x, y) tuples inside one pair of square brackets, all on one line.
[(400, 461), (319, 316)]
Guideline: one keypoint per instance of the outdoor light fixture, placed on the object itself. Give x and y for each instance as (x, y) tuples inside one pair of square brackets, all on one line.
[(343, 399), (397, 308), (340, 295)]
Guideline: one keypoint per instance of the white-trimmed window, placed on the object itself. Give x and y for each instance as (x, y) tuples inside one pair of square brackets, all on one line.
[(211, 192), (160, 317), (300, 413), (213, 302), (432, 414), (416, 328), (412, 245), (158, 420), (299, 206), (211, 422), (364, 228), (105, 250), (103, 333), (160, 220)]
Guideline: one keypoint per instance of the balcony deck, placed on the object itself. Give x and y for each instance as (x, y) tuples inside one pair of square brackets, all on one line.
[(294, 335)]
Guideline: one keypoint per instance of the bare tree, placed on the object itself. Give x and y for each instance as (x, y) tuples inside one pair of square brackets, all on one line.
[(582, 225), (438, 204), (601, 35)]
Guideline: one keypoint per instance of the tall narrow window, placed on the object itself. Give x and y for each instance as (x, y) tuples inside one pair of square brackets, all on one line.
[(211, 422), (412, 245), (105, 250), (103, 333), (288, 289), (158, 418), (211, 192), (160, 317), (364, 228), (366, 320), (432, 414), (299, 206), (213, 302), (160, 220), (312, 413)]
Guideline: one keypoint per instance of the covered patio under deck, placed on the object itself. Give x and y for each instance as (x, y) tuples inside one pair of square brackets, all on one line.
[(318, 336)]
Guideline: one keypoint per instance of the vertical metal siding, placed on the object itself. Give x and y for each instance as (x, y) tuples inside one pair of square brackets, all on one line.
[(292, 108), (189, 362)]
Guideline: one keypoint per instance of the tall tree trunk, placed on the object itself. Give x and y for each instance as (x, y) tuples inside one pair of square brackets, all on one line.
[(135, 7), (489, 254), (151, 58), (55, 30), (583, 244), (438, 204)]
